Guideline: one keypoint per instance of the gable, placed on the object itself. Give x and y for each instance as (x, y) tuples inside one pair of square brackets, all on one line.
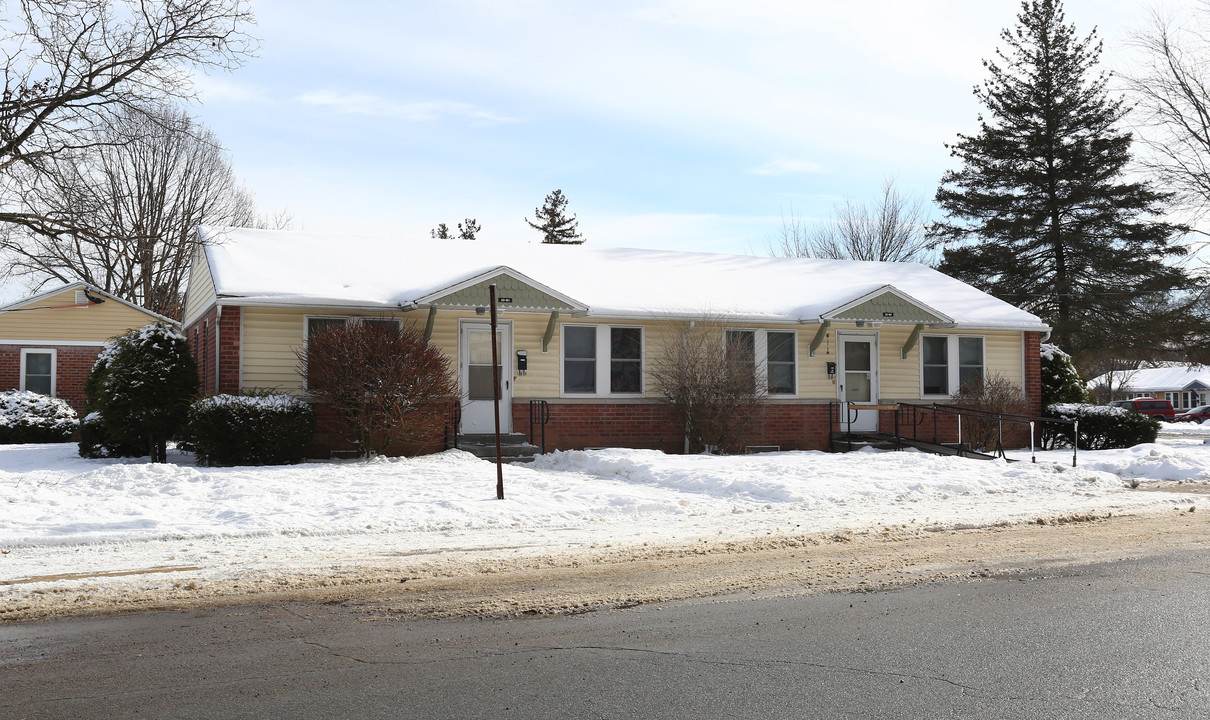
[(513, 292), (59, 317), (887, 305), (199, 293)]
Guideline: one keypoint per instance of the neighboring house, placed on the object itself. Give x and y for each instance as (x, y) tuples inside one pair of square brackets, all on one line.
[(589, 320), (1185, 386), (49, 342)]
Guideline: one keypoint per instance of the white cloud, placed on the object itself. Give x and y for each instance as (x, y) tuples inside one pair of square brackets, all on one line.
[(426, 111), (787, 167)]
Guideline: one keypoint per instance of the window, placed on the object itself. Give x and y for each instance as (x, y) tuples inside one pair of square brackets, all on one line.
[(1183, 399), (771, 354), (318, 324), (949, 362), (602, 360), (38, 371)]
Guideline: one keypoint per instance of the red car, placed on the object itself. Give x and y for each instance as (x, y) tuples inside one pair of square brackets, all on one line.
[(1196, 415), (1161, 409)]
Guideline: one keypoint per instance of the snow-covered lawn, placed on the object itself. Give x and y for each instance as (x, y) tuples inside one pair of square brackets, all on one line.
[(61, 514)]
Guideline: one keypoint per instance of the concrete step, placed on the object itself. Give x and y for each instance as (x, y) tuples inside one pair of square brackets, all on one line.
[(514, 447)]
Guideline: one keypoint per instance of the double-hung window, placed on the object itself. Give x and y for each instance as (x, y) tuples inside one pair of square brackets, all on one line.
[(950, 362), (38, 371), (602, 360), (770, 355)]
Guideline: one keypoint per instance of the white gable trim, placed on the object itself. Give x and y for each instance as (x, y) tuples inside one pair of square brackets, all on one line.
[(428, 299), (831, 314)]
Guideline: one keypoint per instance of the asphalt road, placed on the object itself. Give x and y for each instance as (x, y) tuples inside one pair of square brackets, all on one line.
[(1120, 640)]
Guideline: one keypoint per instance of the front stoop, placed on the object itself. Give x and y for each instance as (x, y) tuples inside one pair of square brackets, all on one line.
[(514, 447)]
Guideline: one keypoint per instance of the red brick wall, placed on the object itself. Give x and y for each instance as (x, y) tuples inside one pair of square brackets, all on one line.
[(72, 365), (221, 376), (652, 425), (1033, 372)]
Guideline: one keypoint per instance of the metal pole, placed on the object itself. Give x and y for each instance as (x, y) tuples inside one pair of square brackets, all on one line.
[(496, 398), (1032, 455), (1075, 442)]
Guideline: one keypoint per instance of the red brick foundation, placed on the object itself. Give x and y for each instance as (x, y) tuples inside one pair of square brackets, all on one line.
[(652, 425)]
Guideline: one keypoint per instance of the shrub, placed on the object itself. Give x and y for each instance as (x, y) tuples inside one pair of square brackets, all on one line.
[(387, 381), (140, 389), (97, 442), (715, 390), (28, 417), (250, 430), (993, 394), (1103, 427)]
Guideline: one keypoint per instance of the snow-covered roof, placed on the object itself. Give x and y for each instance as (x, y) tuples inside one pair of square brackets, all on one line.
[(80, 285), (267, 267), (1178, 377)]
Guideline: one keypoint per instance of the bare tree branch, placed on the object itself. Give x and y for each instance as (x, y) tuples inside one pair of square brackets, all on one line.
[(889, 230)]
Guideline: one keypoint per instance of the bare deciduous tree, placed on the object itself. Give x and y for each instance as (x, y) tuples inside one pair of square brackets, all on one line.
[(889, 230), (714, 390), (75, 67), (134, 196), (387, 381), (1173, 88)]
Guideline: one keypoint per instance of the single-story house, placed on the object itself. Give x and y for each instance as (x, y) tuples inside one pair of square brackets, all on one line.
[(580, 325), (50, 341), (1185, 386)]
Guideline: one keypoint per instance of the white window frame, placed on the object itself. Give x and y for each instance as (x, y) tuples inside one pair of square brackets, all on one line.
[(54, 367), (951, 362), (603, 360), (761, 351), (346, 318)]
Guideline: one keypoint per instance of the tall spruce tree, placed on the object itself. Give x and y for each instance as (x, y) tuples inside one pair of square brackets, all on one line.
[(1041, 214), (556, 227)]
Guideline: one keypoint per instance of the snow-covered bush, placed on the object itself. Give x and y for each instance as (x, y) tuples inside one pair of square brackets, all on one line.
[(140, 388), (1102, 427), (28, 417), (250, 430)]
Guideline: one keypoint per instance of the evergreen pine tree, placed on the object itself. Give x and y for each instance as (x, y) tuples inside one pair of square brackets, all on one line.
[(1040, 213), (556, 227)]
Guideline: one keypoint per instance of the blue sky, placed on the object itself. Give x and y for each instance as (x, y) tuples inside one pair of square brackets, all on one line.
[(680, 124)]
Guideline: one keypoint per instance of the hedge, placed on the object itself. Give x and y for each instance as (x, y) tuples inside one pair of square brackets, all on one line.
[(28, 417), (244, 430), (1102, 427)]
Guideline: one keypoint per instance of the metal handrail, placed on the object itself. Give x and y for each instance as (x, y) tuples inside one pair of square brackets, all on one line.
[(1032, 421), (543, 417)]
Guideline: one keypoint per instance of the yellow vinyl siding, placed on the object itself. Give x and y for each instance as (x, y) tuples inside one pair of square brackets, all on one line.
[(93, 323), (901, 378), (199, 295), (272, 335)]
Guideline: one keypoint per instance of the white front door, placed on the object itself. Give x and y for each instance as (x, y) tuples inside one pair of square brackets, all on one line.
[(475, 376), (857, 383)]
